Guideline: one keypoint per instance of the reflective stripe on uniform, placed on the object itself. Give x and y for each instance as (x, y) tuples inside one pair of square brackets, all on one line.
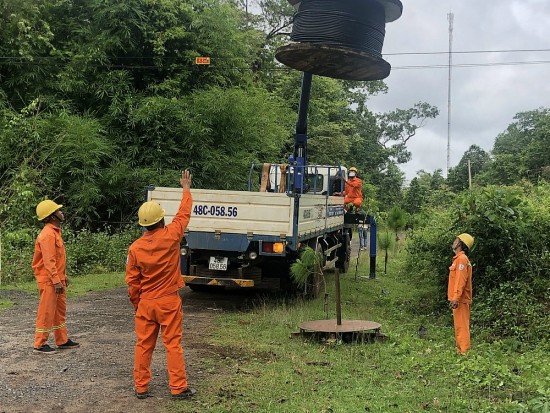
[(43, 330), (59, 326)]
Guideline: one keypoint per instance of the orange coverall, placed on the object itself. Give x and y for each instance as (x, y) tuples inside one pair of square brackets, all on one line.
[(460, 289), (352, 192), (48, 264), (154, 278)]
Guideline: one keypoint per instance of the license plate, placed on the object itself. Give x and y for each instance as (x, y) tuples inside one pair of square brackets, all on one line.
[(218, 263)]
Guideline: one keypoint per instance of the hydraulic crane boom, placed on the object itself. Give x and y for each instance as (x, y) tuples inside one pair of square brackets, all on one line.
[(299, 157)]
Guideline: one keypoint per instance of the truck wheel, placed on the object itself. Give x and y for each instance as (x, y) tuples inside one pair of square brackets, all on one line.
[(315, 280), (344, 254)]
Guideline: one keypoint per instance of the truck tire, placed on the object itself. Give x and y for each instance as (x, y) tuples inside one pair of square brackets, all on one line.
[(344, 254), (315, 280)]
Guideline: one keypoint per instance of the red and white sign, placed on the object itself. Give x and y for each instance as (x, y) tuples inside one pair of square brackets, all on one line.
[(202, 60)]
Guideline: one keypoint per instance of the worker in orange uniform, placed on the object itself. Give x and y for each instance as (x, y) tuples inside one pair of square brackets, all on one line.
[(48, 264), (154, 279), (459, 290), (353, 189)]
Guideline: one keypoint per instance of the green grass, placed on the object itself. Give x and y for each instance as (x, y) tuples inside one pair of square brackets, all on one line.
[(255, 366), (259, 368), (79, 285), (5, 303)]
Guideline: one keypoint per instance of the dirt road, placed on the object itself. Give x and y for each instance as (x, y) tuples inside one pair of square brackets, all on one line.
[(97, 377)]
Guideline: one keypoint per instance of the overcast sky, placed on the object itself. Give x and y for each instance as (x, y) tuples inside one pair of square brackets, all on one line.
[(484, 99)]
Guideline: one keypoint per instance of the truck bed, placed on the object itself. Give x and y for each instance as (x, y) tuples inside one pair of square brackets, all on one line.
[(253, 214)]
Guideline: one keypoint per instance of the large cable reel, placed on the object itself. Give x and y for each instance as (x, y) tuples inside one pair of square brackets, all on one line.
[(341, 39)]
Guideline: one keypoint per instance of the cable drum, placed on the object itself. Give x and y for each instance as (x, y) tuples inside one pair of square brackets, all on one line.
[(342, 39), (337, 23)]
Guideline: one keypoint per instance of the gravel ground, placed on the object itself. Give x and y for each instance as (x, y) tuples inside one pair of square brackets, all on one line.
[(97, 377)]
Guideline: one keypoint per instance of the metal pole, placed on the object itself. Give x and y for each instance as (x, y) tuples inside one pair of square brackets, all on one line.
[(338, 302), (373, 247), (469, 174), (450, 17)]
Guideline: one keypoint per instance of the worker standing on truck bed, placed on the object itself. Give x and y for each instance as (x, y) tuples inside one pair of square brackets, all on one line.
[(353, 190), (154, 279), (48, 264)]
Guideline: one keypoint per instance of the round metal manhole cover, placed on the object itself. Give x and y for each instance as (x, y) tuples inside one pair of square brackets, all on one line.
[(347, 326)]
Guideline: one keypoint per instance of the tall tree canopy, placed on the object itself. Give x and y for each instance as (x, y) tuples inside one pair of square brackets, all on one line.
[(522, 151), (472, 162)]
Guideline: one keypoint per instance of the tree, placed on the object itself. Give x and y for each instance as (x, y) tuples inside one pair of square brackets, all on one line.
[(458, 177), (114, 85), (380, 144), (385, 241), (208, 131), (437, 180), (399, 126), (389, 183), (422, 190), (522, 151), (25, 46), (415, 196), (59, 156), (114, 89), (396, 221)]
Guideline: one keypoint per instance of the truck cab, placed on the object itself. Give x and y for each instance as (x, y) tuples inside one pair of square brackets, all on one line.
[(318, 179)]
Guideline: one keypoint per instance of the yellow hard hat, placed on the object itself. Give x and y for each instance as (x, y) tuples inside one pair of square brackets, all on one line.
[(466, 239), (150, 213), (45, 208), (353, 168)]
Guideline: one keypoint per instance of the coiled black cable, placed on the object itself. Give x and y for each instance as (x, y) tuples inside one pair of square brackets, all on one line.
[(356, 24)]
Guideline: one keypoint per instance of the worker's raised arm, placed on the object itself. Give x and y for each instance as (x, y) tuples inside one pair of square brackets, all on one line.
[(177, 227)]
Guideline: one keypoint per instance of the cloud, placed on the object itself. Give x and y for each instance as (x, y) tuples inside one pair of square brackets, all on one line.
[(484, 99), (526, 12)]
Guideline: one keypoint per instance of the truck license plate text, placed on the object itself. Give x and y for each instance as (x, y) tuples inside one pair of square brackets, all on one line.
[(215, 211), (218, 263)]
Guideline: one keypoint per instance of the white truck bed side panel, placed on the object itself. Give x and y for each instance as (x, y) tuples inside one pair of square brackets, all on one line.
[(316, 212), (235, 212)]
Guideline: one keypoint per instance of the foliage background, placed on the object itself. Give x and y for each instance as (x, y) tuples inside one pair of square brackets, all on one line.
[(510, 257)]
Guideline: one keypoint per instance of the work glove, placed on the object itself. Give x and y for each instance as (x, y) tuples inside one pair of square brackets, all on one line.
[(58, 288)]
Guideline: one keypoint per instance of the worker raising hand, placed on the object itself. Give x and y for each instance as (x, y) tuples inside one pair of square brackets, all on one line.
[(185, 179)]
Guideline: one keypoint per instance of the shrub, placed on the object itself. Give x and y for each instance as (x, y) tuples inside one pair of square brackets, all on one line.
[(511, 226), (512, 310), (16, 255), (87, 252)]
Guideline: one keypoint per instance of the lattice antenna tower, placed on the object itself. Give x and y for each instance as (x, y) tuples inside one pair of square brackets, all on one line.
[(450, 18)]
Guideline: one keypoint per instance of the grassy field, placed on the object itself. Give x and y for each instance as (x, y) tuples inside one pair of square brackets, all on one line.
[(257, 366), (260, 368)]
